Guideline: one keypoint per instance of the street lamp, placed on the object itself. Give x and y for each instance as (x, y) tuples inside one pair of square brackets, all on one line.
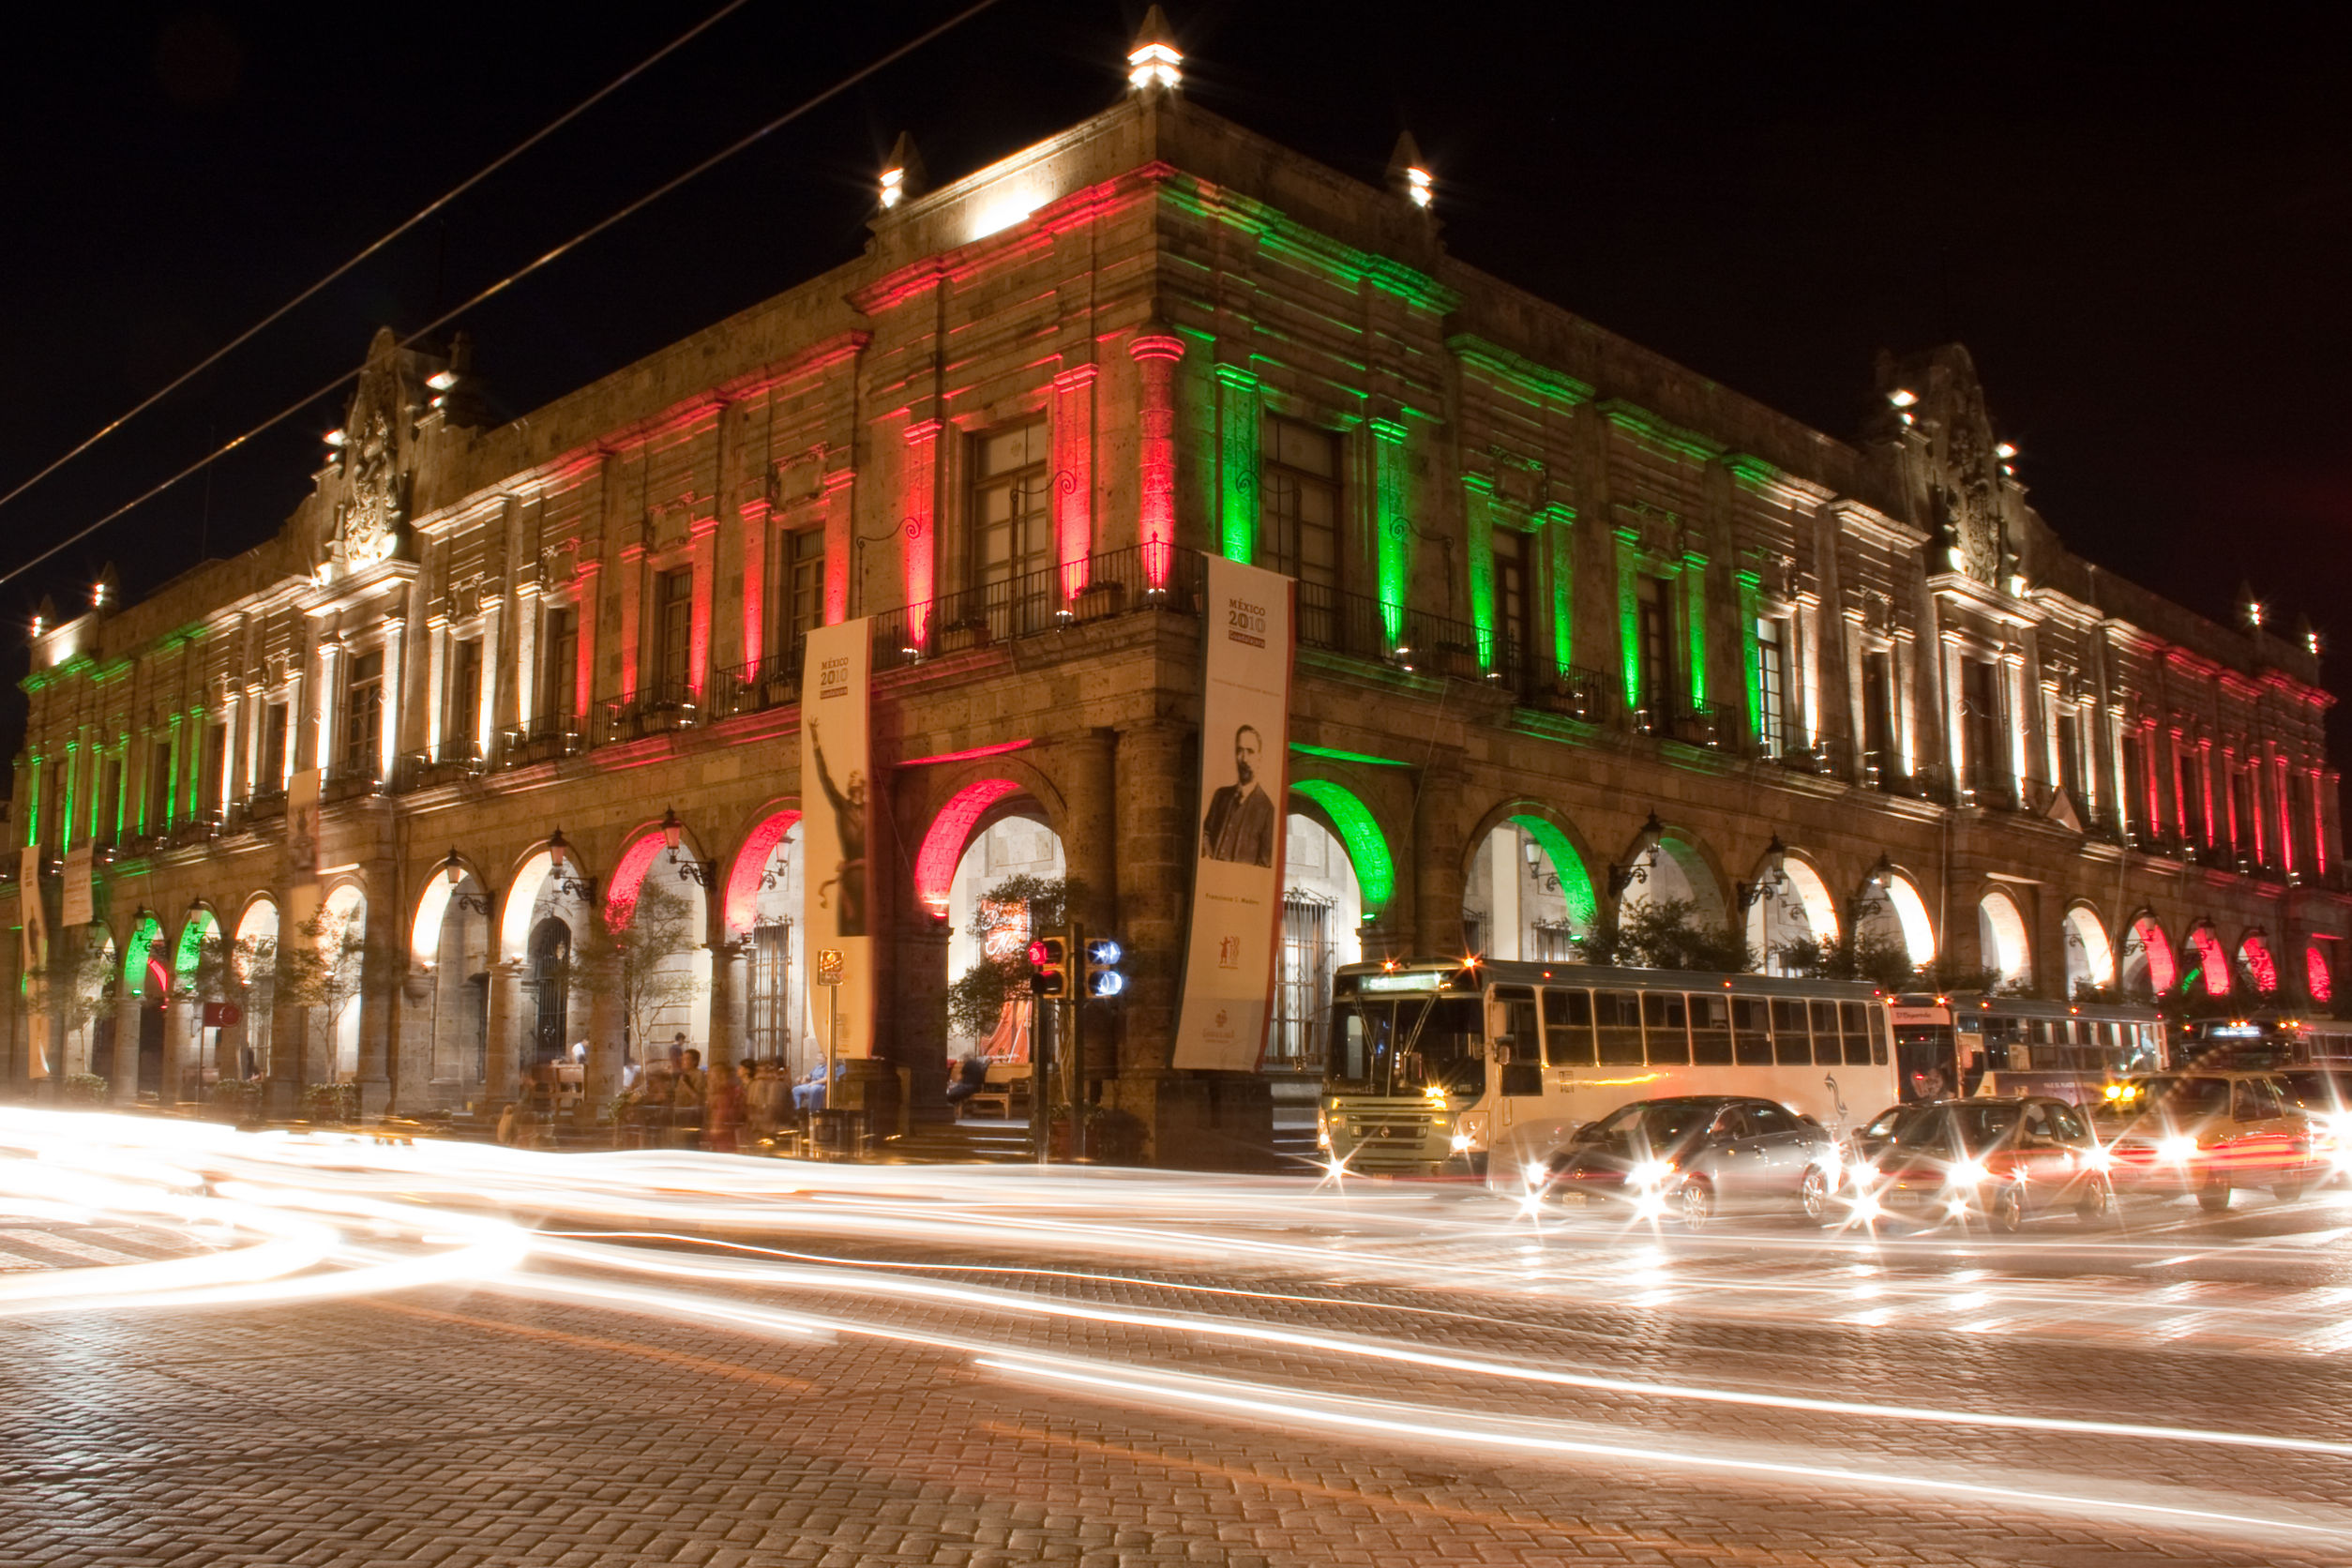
[(454, 869), (690, 870), (559, 860), (1773, 878), (1636, 866)]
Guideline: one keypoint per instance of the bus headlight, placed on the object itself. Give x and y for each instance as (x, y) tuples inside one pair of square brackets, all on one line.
[(1462, 1143), (1322, 1129)]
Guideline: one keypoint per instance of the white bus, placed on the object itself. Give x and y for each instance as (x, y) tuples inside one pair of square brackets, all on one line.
[(1447, 1069)]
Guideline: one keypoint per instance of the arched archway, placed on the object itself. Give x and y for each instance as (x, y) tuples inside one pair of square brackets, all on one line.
[(1891, 913), (1360, 835), (658, 914), (253, 960), (764, 913), (2319, 983), (2209, 960), (2003, 941), (450, 946), (2089, 956), (995, 846), (547, 980), (342, 950), (1527, 894), (201, 973), (97, 980), (1675, 870), (1796, 913), (144, 976), (2148, 966), (2259, 966), (1322, 927)]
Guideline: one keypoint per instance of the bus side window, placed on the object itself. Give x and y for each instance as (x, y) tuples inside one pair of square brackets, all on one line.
[(1568, 1028), (1792, 1045), (1826, 1051), (1751, 1031), (1854, 1023), (1710, 1029), (1616, 1019), (1352, 1066), (1511, 1021), (1667, 1025), (1878, 1036)]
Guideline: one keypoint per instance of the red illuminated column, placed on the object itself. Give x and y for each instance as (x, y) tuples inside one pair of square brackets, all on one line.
[(2286, 815), (754, 516), (586, 601), (1155, 351), (703, 551), (838, 522), (917, 504), (1074, 476), (632, 602)]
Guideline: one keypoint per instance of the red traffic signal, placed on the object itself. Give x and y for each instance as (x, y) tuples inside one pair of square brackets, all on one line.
[(1049, 972)]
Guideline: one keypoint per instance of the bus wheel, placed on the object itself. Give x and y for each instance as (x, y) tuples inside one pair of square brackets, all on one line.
[(1695, 1205), (1812, 1197), (2213, 1193)]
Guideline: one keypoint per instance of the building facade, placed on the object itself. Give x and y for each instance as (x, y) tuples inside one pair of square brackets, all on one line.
[(1579, 630)]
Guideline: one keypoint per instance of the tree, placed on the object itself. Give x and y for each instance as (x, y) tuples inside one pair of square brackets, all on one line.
[(79, 983), (1882, 961), (636, 957), (1670, 933), (332, 966), (1017, 908)]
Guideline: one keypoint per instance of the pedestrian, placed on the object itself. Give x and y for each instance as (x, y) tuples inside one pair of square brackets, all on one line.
[(763, 1102), (723, 1112)]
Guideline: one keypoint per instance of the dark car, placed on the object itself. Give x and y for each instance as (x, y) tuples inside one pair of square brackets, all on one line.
[(1995, 1158), (2210, 1133), (1700, 1155)]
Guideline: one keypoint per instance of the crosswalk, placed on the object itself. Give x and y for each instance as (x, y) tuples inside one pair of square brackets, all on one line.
[(63, 1246)]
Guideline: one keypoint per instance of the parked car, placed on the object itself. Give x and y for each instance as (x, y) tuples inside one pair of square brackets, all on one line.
[(1696, 1156), (2209, 1132), (1999, 1159)]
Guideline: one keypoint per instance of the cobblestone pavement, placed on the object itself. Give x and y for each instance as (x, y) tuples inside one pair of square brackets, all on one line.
[(943, 1368)]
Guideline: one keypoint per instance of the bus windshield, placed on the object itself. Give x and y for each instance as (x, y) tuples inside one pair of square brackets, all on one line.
[(1404, 1046)]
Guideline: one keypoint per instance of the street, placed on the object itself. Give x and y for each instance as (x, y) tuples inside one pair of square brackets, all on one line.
[(227, 1349)]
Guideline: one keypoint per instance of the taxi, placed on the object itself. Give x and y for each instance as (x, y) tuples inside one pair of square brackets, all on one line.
[(2209, 1132)]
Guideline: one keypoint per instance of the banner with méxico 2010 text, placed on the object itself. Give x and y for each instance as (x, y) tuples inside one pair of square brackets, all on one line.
[(836, 818), (1237, 879)]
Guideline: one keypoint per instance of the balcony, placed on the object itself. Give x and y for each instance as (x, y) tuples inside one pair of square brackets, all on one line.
[(1046, 603), (1715, 724), (352, 781), (452, 764), (769, 683), (1576, 692), (658, 708), (543, 740)]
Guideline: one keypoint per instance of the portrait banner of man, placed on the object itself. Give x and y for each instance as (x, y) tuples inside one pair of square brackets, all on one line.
[(837, 684), (1237, 878)]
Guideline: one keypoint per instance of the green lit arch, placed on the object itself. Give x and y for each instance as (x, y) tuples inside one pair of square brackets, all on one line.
[(1575, 882), (143, 936), (1359, 834), (200, 929)]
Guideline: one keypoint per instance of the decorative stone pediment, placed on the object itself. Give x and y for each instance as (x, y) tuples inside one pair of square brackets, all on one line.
[(370, 510)]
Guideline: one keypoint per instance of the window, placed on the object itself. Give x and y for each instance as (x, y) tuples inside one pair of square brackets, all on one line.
[(2256, 1101), (2130, 791), (1826, 1050), (1854, 1021), (1878, 713), (768, 1021), (1751, 1031), (461, 735), (559, 667), (1981, 733), (1771, 665), (1568, 1028), (363, 714), (214, 768), (110, 800), (1301, 501), (1791, 1045), (673, 635), (1770, 1120), (272, 776), (1710, 1029), (2070, 739), (1617, 1018), (1512, 577), (2200, 830), (1654, 645), (159, 813), (1012, 529), (804, 595), (1668, 1024)]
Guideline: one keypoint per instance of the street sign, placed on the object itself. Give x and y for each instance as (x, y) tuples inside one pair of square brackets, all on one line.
[(828, 966), (222, 1015)]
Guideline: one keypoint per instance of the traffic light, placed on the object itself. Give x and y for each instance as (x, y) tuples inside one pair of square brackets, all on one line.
[(1100, 956), (1049, 967)]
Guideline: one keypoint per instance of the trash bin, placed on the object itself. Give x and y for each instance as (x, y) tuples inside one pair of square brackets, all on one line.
[(837, 1135)]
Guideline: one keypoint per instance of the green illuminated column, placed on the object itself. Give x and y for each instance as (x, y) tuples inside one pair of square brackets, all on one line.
[(1751, 657), (1480, 529), (1397, 552), (1628, 613), (1561, 540), (65, 817), (1694, 618), (33, 803), (1237, 424)]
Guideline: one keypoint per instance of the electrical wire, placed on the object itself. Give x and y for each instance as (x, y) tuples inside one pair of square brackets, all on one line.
[(511, 278), (389, 235)]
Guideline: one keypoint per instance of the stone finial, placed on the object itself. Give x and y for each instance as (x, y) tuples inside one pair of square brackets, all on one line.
[(1408, 173), (1155, 64), (903, 176)]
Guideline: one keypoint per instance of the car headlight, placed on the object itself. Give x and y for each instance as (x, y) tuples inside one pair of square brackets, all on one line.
[(1968, 1173), (1863, 1172), (1534, 1174), (2097, 1159), (2179, 1148), (1651, 1173)]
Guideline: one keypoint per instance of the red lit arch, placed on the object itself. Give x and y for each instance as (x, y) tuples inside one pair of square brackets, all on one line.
[(751, 863), (951, 830)]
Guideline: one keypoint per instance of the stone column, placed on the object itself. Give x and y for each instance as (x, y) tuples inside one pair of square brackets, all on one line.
[(602, 1080), (126, 1084), (1152, 815), (506, 1006), (412, 1061), (727, 986), (373, 1069), (178, 1049), (1436, 855), (1089, 843), (289, 1049)]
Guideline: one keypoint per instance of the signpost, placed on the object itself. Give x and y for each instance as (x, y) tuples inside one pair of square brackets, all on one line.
[(830, 965)]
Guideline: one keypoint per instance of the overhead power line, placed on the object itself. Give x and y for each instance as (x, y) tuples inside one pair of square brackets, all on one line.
[(418, 217), (512, 278)]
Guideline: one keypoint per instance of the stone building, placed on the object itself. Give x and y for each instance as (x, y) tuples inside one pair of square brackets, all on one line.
[(1579, 629)]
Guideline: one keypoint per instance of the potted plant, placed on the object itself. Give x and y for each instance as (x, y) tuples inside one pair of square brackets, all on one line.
[(84, 1089)]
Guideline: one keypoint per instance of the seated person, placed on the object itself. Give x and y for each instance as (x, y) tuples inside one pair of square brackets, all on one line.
[(810, 1093), (971, 1077)]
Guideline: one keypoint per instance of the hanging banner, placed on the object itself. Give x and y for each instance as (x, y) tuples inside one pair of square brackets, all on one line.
[(836, 684), (32, 955), (1237, 881), (81, 902)]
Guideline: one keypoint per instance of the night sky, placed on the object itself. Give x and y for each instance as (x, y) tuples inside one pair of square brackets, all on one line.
[(2135, 219)]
